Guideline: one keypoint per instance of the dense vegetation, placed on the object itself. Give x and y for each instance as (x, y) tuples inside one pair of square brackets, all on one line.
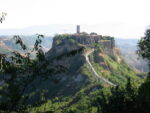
[(110, 68), (131, 99), (18, 72)]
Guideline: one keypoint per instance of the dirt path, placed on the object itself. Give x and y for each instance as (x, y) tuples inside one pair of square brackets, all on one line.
[(94, 71)]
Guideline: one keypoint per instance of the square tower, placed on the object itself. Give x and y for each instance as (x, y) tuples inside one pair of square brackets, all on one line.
[(78, 29)]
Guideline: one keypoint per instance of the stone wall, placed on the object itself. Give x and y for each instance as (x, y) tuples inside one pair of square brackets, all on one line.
[(108, 42), (87, 39)]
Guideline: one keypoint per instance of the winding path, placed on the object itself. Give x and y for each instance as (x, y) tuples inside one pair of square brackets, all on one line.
[(93, 70)]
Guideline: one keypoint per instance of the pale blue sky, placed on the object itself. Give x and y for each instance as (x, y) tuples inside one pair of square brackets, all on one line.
[(120, 18)]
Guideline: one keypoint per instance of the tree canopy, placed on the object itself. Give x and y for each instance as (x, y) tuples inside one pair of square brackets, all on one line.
[(144, 46)]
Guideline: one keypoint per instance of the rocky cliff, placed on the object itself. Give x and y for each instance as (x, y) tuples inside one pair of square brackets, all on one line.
[(64, 44), (67, 42)]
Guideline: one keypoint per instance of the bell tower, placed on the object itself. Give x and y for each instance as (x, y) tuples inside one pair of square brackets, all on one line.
[(78, 29)]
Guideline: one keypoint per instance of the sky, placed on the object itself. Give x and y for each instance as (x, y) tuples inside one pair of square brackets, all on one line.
[(120, 18)]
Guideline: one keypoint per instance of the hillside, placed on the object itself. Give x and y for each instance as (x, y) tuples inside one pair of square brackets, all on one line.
[(128, 48), (79, 80), (91, 66), (7, 43)]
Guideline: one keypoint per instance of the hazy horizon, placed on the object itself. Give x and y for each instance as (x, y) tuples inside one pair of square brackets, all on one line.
[(118, 18), (106, 29)]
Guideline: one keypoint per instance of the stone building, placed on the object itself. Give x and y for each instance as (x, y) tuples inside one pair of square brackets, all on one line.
[(78, 29)]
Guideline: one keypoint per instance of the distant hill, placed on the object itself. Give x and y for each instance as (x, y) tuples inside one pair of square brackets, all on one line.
[(7, 44), (45, 29), (128, 48)]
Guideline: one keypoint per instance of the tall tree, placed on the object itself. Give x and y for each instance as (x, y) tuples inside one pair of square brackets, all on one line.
[(144, 90), (144, 47)]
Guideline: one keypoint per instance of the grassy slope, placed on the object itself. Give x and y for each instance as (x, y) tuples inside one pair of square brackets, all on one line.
[(84, 100), (115, 72)]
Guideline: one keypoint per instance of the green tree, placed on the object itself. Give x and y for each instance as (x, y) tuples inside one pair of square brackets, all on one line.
[(22, 70), (121, 100), (129, 99), (144, 47), (144, 90)]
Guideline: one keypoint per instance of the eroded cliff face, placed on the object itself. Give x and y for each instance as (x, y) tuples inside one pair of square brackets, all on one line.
[(99, 57), (109, 46), (64, 44)]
